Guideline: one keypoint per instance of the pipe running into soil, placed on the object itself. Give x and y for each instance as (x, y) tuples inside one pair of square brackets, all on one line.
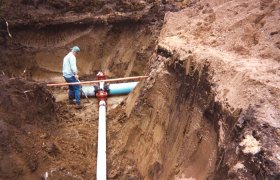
[(101, 151), (121, 88), (117, 89), (113, 89)]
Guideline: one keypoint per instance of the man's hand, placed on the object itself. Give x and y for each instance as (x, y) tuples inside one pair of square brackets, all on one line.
[(76, 76)]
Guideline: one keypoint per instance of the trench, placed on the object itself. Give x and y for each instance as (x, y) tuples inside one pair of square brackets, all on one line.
[(206, 111), (166, 129)]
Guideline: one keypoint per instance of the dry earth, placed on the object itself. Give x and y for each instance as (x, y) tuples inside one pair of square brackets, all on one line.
[(209, 109)]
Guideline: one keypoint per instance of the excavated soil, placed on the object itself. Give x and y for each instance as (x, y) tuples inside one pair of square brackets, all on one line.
[(209, 108)]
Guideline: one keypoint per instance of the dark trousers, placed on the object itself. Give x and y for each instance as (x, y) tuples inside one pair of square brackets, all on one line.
[(74, 90)]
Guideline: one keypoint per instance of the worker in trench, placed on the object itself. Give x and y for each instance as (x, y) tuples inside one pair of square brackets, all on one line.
[(4, 32), (70, 74)]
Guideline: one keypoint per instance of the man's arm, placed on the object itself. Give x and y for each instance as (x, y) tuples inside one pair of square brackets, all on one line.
[(73, 66)]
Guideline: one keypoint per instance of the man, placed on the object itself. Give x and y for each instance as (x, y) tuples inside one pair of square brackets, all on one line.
[(4, 31), (70, 74)]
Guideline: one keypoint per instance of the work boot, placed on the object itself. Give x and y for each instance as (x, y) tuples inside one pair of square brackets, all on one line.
[(79, 106), (72, 101)]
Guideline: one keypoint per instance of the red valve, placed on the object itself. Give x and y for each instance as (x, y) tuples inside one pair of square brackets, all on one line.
[(102, 95), (100, 76)]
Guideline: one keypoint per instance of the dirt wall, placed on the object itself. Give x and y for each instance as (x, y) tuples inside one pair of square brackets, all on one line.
[(170, 137), (116, 37), (236, 92), (119, 50)]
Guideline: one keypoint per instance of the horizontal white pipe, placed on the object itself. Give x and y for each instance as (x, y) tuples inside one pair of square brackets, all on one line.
[(88, 91), (101, 150)]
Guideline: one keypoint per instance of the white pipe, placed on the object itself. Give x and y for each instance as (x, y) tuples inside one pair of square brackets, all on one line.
[(101, 85), (101, 151), (88, 91), (121, 88)]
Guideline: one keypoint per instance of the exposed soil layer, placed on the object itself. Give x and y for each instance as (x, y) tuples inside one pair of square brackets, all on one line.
[(201, 90), (119, 43), (120, 50), (209, 108), (114, 41), (27, 116), (40, 135)]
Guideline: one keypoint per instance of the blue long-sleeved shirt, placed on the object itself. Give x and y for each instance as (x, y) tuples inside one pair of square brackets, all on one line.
[(69, 67)]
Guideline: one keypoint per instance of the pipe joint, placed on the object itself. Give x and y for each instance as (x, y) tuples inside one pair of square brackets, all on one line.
[(102, 95)]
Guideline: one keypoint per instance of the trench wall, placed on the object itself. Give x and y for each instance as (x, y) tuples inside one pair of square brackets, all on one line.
[(119, 50), (172, 130)]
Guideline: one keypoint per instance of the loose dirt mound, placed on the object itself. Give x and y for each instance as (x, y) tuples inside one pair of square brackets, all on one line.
[(27, 111), (27, 101)]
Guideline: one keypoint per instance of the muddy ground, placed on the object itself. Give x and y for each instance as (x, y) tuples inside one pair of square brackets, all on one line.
[(209, 108)]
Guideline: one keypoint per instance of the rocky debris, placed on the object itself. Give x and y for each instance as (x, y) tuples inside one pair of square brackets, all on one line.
[(250, 145)]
